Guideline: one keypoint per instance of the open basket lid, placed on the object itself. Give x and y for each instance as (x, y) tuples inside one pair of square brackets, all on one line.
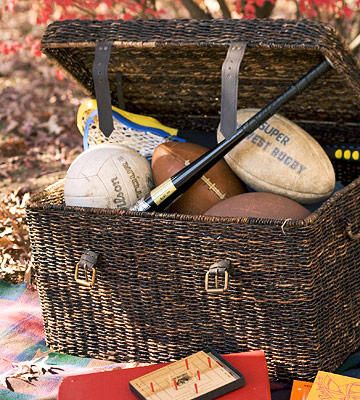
[(174, 66)]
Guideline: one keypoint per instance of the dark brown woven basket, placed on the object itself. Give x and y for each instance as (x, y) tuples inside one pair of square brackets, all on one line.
[(294, 285)]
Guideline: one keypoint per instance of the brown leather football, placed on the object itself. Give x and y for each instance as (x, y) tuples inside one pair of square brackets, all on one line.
[(259, 205), (217, 184)]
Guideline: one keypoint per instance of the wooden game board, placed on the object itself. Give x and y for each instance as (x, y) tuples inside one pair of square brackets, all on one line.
[(190, 378)]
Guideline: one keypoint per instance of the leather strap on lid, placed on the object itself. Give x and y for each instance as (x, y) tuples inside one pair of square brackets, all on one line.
[(101, 85), (229, 88)]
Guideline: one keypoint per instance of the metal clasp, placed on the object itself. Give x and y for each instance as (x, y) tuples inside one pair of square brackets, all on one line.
[(351, 234), (87, 263), (221, 268)]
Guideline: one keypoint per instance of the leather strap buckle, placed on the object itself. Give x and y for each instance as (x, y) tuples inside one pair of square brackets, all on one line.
[(87, 265), (219, 269)]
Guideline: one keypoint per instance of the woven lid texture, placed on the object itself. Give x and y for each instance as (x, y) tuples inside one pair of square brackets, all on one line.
[(172, 66)]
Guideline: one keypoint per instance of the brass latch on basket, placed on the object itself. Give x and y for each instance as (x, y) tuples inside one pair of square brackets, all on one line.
[(87, 264), (219, 269)]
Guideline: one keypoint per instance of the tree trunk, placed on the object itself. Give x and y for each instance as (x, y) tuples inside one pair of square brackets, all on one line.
[(195, 11), (264, 11), (224, 8)]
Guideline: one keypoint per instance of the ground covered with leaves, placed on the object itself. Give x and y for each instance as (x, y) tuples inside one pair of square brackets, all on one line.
[(38, 141)]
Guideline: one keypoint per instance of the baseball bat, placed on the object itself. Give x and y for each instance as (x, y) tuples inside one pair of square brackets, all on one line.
[(167, 192)]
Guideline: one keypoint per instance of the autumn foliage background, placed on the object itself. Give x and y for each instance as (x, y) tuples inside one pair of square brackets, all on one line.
[(38, 136)]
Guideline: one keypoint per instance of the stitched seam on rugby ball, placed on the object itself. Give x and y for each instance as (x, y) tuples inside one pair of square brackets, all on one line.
[(212, 188), (319, 196), (268, 186), (313, 144), (282, 189)]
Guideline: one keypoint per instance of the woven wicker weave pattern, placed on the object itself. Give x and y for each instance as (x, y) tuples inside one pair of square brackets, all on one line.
[(295, 288), (175, 65), (287, 296)]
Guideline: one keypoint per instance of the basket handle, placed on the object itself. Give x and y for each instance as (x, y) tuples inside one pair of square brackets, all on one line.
[(351, 234)]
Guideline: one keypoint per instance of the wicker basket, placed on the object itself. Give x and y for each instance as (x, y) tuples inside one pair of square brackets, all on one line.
[(294, 288)]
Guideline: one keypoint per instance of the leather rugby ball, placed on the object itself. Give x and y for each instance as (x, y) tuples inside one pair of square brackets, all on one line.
[(259, 205), (217, 184), (280, 157)]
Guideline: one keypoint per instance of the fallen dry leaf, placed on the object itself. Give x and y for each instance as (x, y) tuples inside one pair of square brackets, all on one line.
[(13, 147)]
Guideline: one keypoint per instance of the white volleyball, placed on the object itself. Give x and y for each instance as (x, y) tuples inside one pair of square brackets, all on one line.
[(107, 176)]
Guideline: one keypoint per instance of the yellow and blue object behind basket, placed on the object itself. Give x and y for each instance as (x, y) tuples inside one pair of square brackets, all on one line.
[(139, 132)]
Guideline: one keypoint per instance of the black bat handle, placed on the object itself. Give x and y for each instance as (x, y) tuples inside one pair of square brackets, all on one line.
[(163, 195)]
